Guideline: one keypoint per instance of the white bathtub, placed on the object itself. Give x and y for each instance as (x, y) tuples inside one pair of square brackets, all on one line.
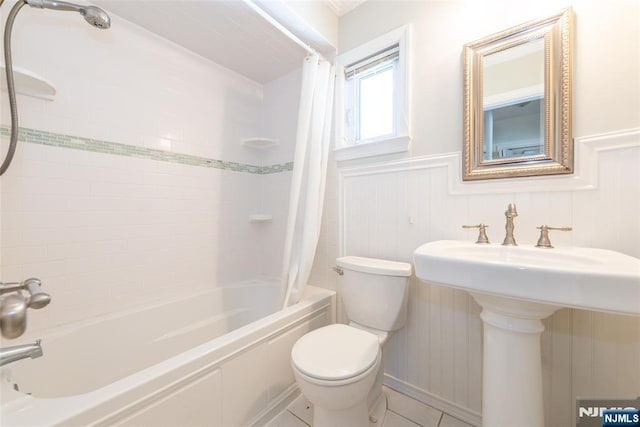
[(219, 358)]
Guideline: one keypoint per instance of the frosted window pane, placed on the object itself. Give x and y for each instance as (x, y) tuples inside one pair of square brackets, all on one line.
[(376, 104)]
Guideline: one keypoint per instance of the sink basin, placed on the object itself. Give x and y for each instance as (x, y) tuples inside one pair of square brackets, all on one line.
[(517, 287), (587, 278)]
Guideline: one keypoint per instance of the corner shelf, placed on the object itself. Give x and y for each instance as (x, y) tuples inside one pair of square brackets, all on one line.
[(260, 218), (259, 143), (29, 83)]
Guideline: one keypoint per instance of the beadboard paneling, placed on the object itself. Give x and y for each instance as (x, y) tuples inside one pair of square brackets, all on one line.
[(386, 210)]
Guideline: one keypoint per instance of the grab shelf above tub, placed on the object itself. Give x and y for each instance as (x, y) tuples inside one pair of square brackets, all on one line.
[(260, 143), (29, 83), (260, 218)]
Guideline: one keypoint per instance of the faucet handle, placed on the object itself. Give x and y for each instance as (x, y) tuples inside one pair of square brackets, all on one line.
[(543, 241), (37, 299), (482, 233)]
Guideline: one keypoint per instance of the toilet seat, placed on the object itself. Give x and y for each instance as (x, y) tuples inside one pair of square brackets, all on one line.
[(335, 352)]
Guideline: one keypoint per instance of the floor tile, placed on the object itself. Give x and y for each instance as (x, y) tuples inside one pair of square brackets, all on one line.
[(302, 408), (414, 414), (286, 419), (391, 419), (418, 412), (448, 421)]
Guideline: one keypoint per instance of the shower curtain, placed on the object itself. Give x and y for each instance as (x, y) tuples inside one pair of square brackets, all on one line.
[(309, 175)]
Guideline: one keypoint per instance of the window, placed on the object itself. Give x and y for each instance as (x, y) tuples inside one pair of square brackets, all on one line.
[(372, 98)]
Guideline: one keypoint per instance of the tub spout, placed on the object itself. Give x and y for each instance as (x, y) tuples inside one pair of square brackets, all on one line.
[(19, 352)]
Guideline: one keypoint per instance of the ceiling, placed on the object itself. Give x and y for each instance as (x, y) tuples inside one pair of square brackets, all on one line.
[(341, 7), (227, 32)]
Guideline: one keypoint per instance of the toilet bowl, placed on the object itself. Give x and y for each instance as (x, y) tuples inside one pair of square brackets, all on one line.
[(337, 367)]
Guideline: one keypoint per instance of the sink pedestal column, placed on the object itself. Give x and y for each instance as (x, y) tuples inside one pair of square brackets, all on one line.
[(511, 365)]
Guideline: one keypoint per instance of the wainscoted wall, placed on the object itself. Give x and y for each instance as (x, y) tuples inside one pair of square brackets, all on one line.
[(132, 185), (386, 207), (390, 209)]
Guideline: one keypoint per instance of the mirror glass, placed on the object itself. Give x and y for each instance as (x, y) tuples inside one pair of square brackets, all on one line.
[(513, 101), (517, 101)]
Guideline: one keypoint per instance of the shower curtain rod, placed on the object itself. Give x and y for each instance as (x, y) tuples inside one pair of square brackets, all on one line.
[(282, 29)]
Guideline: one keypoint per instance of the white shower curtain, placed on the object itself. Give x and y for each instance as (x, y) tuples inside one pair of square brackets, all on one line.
[(309, 175)]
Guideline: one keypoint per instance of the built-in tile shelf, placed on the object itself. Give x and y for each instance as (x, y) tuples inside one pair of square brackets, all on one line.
[(260, 218), (29, 83), (259, 143)]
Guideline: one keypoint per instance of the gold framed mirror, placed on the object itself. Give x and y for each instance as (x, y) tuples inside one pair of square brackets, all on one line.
[(517, 101)]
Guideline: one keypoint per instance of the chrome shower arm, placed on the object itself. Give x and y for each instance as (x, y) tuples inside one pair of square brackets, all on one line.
[(54, 4), (92, 14)]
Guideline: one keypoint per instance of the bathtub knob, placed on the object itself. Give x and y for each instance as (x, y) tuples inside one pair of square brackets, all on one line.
[(37, 299)]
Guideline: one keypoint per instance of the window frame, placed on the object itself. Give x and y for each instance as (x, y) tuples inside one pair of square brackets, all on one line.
[(397, 142)]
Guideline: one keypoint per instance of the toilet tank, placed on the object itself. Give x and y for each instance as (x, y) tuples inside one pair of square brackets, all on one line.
[(374, 292)]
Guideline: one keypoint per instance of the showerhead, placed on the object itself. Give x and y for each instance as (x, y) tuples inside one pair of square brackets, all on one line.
[(92, 14), (96, 17)]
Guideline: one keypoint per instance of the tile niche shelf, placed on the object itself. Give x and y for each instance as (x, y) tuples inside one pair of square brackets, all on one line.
[(29, 83), (260, 218), (259, 143)]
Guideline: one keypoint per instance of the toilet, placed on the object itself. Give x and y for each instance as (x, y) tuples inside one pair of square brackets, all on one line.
[(337, 367)]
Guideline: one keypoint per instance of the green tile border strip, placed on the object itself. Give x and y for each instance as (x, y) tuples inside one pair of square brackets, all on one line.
[(34, 136)]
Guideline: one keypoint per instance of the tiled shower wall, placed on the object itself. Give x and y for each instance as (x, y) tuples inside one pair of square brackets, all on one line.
[(132, 185), (387, 207)]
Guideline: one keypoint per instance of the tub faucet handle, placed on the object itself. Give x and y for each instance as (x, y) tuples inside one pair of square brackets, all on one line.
[(543, 241), (482, 233), (37, 299)]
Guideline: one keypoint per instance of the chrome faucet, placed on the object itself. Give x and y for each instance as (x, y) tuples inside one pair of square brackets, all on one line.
[(13, 306), (510, 213), (19, 352)]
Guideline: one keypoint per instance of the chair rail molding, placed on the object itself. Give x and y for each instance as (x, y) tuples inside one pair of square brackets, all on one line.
[(587, 152)]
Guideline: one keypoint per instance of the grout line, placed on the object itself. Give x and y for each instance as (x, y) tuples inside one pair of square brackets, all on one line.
[(403, 417), (35, 136), (301, 420)]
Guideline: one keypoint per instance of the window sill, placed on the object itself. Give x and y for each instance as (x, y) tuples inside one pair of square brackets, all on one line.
[(397, 144)]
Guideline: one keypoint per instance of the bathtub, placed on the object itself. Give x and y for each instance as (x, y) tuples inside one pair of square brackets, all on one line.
[(218, 358)]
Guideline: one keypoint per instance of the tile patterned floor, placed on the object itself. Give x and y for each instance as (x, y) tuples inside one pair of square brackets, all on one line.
[(402, 412)]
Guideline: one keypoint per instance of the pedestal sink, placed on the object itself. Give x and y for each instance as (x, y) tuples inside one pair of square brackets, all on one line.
[(517, 287)]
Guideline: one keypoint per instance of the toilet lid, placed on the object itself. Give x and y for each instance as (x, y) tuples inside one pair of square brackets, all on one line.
[(374, 266), (335, 352)]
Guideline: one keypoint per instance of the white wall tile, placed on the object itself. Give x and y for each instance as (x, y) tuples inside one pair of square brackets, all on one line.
[(138, 226)]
